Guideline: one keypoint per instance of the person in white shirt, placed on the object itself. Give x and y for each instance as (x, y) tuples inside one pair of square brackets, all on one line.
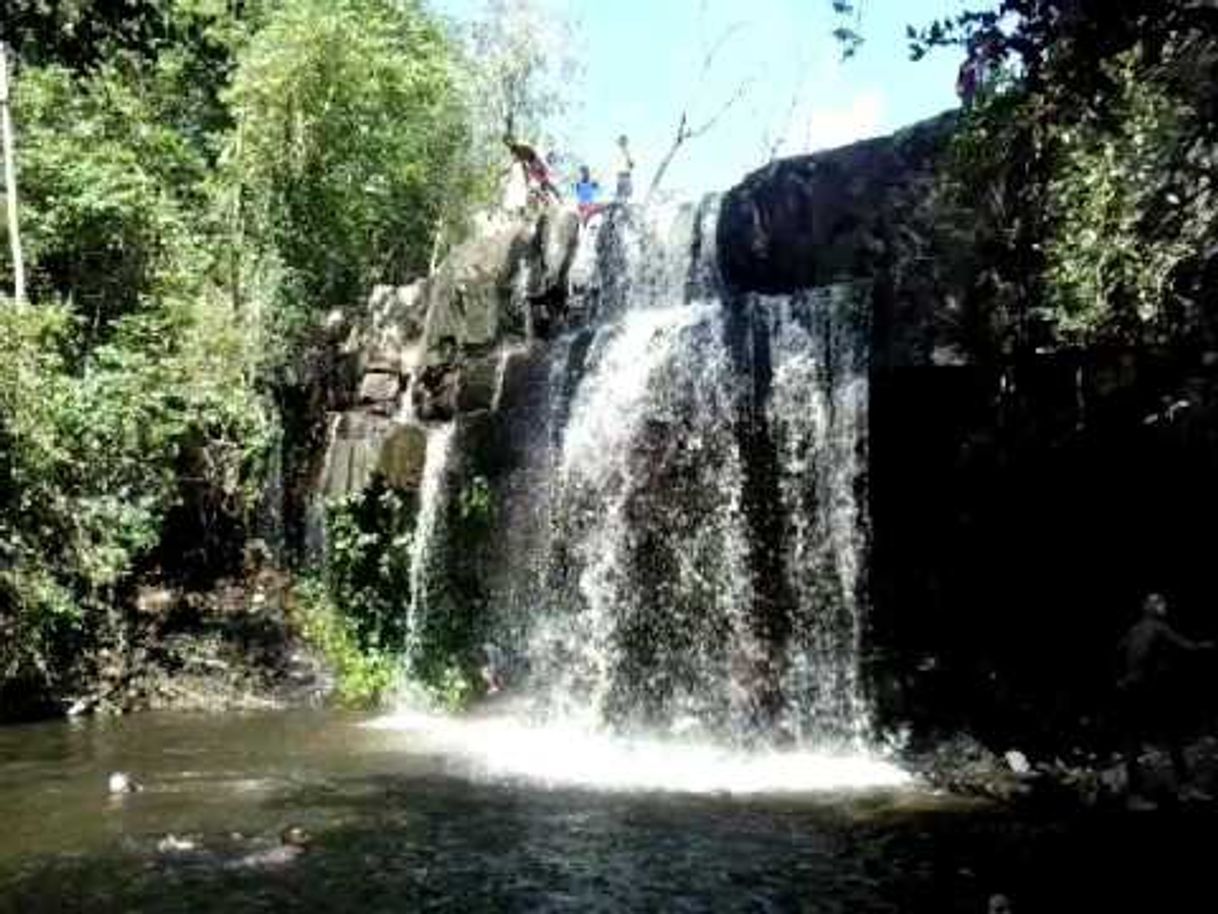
[(625, 169)]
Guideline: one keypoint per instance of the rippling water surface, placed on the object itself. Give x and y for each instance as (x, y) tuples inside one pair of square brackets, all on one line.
[(414, 814)]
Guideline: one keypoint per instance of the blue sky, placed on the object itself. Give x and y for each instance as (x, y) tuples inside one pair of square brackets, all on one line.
[(639, 69)]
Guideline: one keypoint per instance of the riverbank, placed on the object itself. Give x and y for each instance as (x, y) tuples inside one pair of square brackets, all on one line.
[(235, 646)]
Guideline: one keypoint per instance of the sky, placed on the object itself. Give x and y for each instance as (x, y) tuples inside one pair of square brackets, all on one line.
[(639, 65)]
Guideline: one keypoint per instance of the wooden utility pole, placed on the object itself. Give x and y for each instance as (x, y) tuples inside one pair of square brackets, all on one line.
[(10, 178)]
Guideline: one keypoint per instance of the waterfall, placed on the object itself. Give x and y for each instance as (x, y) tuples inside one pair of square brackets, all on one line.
[(676, 584), (817, 412), (427, 527), (660, 573), (649, 559)]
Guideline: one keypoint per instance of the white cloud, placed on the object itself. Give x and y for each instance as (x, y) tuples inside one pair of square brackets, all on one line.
[(857, 117)]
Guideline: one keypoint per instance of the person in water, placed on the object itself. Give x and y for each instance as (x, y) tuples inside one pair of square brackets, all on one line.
[(536, 172), (293, 842), (587, 195), (1151, 700), (625, 169)]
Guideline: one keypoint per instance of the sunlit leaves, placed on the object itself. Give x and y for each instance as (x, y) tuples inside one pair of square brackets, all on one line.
[(350, 135)]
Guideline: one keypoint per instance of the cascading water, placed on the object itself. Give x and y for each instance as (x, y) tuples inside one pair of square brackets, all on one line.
[(817, 412), (427, 528), (650, 551), (685, 541), (653, 617)]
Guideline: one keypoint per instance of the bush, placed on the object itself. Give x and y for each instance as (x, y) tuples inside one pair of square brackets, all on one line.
[(364, 674)]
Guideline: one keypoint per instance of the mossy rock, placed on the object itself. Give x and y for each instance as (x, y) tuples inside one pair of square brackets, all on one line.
[(402, 456)]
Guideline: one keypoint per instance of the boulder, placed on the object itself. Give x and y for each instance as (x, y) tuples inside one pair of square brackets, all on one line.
[(353, 452), (402, 455), (380, 389), (469, 298), (509, 282), (813, 220)]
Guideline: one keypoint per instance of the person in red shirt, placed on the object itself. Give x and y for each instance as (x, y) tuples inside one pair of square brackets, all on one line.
[(536, 174)]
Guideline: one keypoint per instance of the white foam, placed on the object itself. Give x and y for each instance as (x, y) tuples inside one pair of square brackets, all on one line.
[(553, 755)]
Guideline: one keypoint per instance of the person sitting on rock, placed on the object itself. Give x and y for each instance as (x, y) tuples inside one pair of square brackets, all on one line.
[(587, 195), (1151, 697)]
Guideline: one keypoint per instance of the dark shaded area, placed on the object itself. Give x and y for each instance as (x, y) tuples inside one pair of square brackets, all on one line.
[(1016, 533), (1023, 500), (812, 220)]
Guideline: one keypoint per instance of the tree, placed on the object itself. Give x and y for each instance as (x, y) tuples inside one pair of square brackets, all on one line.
[(1089, 142), (350, 140), (516, 67), (690, 127)]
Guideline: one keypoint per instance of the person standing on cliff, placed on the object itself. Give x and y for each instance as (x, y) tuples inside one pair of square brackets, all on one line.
[(587, 195), (1152, 699), (536, 173), (625, 170)]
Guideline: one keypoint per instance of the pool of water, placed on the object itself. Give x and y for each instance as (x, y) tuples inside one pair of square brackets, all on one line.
[(410, 815)]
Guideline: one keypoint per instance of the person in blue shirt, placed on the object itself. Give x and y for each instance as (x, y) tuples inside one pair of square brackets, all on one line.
[(587, 194)]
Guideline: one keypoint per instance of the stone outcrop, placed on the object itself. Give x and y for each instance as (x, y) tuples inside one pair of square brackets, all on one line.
[(443, 345), (815, 220), (872, 211)]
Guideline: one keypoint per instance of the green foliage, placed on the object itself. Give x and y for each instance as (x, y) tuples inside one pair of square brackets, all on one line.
[(368, 537), (364, 674), (1123, 222), (106, 194), (349, 146), (455, 688), (445, 654), (474, 503), (200, 180), (90, 457), (81, 33), (372, 624), (1085, 167)]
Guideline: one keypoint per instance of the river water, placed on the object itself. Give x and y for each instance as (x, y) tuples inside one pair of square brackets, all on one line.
[(406, 817)]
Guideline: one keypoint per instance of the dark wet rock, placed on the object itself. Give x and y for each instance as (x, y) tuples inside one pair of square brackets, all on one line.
[(477, 385), (875, 211), (518, 369), (964, 766), (435, 396), (235, 646), (813, 220)]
